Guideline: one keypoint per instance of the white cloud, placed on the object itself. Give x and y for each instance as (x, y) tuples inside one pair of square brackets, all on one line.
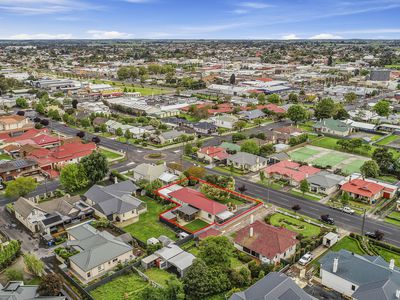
[(36, 7), (255, 5), (239, 11), (290, 36), (41, 36), (101, 34), (325, 36)]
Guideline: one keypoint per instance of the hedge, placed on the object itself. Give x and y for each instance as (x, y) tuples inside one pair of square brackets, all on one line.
[(8, 253)]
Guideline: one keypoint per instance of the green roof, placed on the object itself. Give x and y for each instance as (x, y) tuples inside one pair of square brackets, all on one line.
[(335, 125)]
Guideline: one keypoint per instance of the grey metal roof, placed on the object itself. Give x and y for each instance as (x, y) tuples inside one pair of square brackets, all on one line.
[(274, 286), (16, 164), (245, 158), (183, 260), (370, 273), (325, 179), (98, 248), (252, 114), (187, 209), (114, 198), (16, 290)]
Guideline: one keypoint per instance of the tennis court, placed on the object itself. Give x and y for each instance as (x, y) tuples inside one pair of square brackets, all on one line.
[(330, 160), (303, 153), (313, 155)]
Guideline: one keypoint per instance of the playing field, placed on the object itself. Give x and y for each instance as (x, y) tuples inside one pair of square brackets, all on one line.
[(348, 163)]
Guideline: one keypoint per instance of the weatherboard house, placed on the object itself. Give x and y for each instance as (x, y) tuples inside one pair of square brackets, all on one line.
[(194, 205)]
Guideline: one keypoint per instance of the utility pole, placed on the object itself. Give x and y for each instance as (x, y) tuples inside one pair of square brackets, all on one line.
[(363, 222)]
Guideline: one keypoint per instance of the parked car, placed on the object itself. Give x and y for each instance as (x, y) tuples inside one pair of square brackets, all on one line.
[(305, 259), (327, 219), (377, 235), (348, 210)]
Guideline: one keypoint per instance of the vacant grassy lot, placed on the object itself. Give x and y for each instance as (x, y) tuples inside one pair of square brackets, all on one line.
[(196, 225), (124, 287), (306, 229), (149, 225), (145, 91)]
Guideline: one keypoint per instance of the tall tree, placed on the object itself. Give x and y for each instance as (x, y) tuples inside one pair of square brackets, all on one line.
[(297, 113), (382, 108), (232, 79), (216, 251), (95, 166), (250, 147), (73, 177), (304, 186), (50, 285), (325, 109), (20, 187), (33, 264), (370, 169), (197, 281), (384, 158)]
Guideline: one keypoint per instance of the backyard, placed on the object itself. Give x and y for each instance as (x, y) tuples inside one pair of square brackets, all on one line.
[(124, 287), (306, 229), (158, 275), (196, 225), (149, 225)]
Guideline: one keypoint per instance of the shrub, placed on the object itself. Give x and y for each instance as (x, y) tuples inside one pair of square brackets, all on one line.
[(8, 253)]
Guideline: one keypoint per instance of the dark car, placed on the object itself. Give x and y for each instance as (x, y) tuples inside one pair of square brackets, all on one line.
[(371, 235), (327, 219), (377, 235)]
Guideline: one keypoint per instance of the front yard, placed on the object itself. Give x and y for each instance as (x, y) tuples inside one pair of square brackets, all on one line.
[(149, 225), (124, 287), (299, 226)]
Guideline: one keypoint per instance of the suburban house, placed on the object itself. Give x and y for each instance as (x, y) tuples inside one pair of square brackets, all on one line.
[(14, 124), (17, 290), (56, 158), (290, 130), (251, 115), (169, 257), (325, 182), (290, 171), (230, 147), (225, 121), (276, 137), (333, 127), (9, 170), (277, 157), (115, 202), (113, 126), (361, 277), (212, 154), (194, 205), (268, 243), (247, 161), (203, 127), (274, 286), (167, 137), (367, 191), (50, 217), (99, 252), (148, 172)]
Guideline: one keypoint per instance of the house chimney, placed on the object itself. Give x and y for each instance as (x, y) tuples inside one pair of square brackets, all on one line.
[(397, 294), (335, 265), (251, 231), (391, 264), (252, 219)]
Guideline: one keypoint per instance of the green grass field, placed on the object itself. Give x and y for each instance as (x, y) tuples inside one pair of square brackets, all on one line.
[(110, 154), (387, 140), (149, 225), (352, 167), (145, 91), (329, 159), (124, 287), (393, 218), (196, 225), (306, 229), (159, 276)]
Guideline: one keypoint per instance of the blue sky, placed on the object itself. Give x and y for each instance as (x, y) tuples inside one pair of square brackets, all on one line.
[(199, 19)]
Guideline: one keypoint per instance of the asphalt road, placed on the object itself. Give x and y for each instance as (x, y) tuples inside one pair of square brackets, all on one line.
[(315, 209)]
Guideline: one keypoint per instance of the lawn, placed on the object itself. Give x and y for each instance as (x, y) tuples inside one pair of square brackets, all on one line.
[(388, 140), (110, 154), (330, 160), (159, 276), (124, 287), (306, 196), (306, 229), (388, 255), (145, 91), (353, 167), (5, 156), (390, 179), (196, 225), (393, 218), (348, 243), (272, 185), (149, 225)]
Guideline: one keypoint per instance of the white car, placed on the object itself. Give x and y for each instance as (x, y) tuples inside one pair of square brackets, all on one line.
[(305, 259), (348, 210)]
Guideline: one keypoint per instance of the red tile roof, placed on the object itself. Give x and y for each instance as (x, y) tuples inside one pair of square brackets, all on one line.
[(267, 240), (264, 79), (198, 200), (44, 139), (29, 134), (362, 188), (292, 170), (209, 232), (275, 108), (212, 151)]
